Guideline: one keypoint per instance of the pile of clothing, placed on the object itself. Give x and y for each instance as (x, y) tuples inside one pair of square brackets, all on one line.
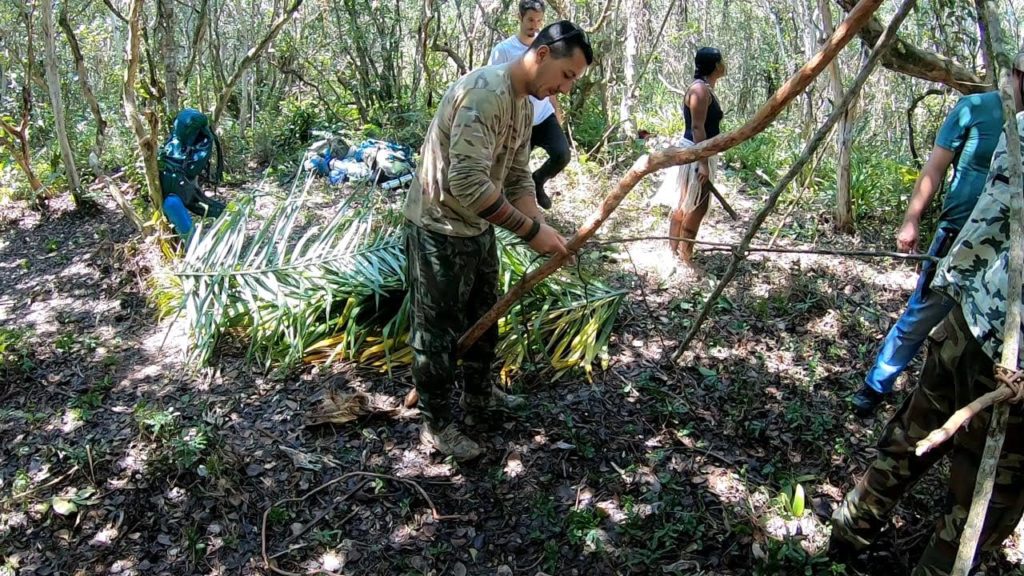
[(382, 163)]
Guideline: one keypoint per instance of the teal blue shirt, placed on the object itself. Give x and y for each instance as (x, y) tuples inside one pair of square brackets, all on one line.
[(971, 131)]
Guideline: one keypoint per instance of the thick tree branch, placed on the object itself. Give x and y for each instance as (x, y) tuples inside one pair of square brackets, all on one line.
[(907, 59)]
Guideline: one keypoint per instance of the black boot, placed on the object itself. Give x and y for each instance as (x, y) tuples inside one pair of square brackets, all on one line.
[(866, 401)]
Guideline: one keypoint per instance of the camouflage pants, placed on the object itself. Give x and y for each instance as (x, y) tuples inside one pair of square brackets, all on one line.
[(453, 281), (956, 372)]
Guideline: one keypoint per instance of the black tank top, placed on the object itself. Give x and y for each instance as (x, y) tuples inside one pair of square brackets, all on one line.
[(712, 121)]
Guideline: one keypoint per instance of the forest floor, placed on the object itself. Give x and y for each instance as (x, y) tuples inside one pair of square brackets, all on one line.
[(648, 469)]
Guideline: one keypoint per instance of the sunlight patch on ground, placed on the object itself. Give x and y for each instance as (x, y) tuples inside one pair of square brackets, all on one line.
[(135, 459), (105, 537), (72, 420), (416, 462)]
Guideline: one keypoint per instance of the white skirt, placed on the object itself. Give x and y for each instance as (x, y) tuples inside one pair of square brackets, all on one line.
[(680, 188)]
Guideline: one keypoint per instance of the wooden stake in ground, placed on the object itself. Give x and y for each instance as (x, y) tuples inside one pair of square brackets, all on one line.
[(991, 32), (647, 164), (884, 41)]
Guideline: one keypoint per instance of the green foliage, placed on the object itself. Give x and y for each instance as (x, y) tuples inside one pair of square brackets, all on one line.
[(789, 557), (182, 445), (590, 125), (300, 291), (655, 534), (154, 423), (581, 527), (770, 152), (280, 137), (880, 185), (792, 500), (165, 291), (15, 353)]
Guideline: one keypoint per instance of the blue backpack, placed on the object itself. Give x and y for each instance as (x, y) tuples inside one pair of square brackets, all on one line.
[(185, 156)]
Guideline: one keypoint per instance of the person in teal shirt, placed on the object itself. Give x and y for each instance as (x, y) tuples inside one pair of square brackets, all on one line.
[(965, 141)]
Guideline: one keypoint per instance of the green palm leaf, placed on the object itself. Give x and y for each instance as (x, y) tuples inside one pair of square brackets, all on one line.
[(335, 291)]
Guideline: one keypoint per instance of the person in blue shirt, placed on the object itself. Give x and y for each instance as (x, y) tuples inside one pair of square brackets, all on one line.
[(965, 141)]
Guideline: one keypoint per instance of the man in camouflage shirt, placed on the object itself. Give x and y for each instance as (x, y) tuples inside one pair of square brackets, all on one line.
[(474, 174), (958, 369)]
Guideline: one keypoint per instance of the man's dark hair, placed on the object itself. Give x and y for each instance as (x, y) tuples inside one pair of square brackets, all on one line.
[(527, 5), (563, 38)]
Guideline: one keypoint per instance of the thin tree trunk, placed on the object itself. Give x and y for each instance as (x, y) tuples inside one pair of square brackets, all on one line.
[(197, 40), (57, 103), (843, 222), (19, 143), (627, 101), (677, 156), (83, 82), (910, 123), (997, 52), (168, 54), (243, 104), (251, 56), (145, 137)]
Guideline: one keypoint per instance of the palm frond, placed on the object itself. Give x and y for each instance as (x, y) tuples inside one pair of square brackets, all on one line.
[(319, 293)]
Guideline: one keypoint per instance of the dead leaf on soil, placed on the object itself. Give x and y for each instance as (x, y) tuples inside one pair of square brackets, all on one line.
[(341, 407)]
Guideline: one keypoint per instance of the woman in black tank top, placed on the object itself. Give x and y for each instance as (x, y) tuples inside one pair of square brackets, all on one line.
[(703, 115)]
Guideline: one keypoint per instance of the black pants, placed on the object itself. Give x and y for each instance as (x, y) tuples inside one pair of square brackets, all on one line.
[(549, 136)]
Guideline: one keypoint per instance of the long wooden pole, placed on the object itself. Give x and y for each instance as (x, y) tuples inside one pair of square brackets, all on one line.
[(647, 164)]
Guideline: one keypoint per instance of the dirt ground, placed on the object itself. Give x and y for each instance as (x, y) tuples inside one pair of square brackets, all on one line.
[(116, 458)]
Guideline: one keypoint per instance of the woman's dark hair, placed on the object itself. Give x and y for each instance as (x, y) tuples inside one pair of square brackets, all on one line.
[(563, 38), (527, 5), (705, 62)]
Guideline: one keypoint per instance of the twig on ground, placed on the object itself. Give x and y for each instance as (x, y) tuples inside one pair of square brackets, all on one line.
[(324, 486), (58, 480)]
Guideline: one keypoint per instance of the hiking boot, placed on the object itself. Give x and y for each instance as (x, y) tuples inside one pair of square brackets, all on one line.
[(866, 401), (543, 200), (450, 441), (496, 400)]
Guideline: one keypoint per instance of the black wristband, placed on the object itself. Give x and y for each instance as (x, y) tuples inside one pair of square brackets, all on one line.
[(533, 231)]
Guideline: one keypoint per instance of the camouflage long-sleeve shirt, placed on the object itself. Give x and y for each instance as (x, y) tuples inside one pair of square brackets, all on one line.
[(477, 148), (975, 271)]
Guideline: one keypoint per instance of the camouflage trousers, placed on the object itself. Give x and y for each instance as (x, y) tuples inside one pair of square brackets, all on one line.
[(956, 372), (453, 281)]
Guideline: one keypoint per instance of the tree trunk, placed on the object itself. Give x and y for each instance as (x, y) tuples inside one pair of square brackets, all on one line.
[(57, 103), (627, 100), (18, 137), (168, 54), (251, 56), (244, 104), (83, 81), (146, 140), (197, 40), (844, 221)]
